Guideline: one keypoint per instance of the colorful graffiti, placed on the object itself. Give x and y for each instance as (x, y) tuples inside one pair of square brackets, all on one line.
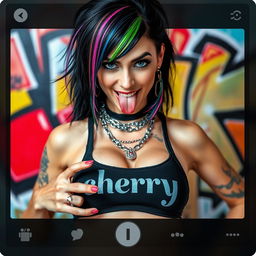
[(209, 89), (38, 103)]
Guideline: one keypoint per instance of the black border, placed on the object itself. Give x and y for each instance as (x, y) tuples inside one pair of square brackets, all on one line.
[(200, 227)]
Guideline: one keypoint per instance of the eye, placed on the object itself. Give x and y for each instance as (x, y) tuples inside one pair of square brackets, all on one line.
[(142, 63), (109, 65)]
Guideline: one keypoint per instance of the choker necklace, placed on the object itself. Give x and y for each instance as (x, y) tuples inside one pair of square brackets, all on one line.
[(127, 127), (126, 117)]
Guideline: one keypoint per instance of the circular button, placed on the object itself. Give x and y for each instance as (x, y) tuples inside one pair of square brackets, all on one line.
[(128, 234), (20, 15)]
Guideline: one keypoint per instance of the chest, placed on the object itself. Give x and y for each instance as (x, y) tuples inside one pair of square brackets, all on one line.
[(152, 152), (152, 189)]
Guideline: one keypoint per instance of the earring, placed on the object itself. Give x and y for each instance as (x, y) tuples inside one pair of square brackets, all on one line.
[(159, 83)]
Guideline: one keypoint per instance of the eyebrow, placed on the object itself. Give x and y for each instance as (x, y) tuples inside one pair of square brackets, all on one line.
[(138, 58)]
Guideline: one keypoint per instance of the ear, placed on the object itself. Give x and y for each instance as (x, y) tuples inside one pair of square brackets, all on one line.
[(160, 56)]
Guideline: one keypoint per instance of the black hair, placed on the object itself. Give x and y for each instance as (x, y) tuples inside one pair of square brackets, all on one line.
[(89, 46)]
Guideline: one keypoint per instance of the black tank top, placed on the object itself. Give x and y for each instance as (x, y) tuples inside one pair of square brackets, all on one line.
[(160, 189)]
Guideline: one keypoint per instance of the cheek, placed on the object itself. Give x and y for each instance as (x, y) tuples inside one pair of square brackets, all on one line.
[(147, 79), (105, 80)]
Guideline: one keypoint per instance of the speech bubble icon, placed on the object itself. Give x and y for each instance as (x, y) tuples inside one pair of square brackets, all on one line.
[(77, 234)]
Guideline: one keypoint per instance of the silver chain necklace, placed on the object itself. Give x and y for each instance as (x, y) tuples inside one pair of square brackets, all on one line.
[(127, 127), (130, 152), (129, 141)]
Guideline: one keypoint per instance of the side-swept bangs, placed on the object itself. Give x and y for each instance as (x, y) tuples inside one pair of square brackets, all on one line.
[(94, 40)]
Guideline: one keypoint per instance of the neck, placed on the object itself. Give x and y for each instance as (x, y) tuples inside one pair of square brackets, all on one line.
[(126, 117)]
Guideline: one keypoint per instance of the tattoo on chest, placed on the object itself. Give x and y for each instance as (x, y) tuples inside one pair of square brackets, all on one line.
[(43, 175), (157, 137), (234, 186)]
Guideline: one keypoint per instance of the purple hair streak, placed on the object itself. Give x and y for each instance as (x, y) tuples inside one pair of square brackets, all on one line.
[(95, 51)]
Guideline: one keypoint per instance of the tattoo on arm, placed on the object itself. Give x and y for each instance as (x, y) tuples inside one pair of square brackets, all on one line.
[(235, 179), (234, 194), (156, 137), (43, 175)]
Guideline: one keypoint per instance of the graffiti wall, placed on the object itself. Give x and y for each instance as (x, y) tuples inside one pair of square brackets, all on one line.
[(38, 104), (209, 89)]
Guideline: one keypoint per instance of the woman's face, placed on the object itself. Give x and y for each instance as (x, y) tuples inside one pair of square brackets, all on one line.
[(128, 80)]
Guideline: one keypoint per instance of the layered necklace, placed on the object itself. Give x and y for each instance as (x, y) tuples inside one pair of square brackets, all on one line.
[(108, 117)]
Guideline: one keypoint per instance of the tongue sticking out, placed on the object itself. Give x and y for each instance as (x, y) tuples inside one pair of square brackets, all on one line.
[(127, 104)]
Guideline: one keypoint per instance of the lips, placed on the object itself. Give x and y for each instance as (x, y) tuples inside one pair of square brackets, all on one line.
[(127, 94)]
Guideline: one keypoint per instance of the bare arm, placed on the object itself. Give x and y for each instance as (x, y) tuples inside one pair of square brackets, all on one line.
[(207, 161), (232, 191), (211, 166), (42, 180), (53, 185)]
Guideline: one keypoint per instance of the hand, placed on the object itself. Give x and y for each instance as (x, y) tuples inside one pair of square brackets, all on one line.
[(53, 196)]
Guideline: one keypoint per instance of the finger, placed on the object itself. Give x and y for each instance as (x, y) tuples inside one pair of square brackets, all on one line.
[(75, 200), (77, 211), (74, 168), (81, 188)]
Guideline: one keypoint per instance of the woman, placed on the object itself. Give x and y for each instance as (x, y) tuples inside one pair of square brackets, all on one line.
[(120, 157)]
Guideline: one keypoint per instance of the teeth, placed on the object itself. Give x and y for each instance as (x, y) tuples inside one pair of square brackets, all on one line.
[(128, 95)]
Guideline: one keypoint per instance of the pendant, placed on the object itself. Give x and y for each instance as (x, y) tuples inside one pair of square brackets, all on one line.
[(131, 154)]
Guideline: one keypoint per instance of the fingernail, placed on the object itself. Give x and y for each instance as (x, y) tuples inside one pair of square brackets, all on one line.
[(89, 162), (94, 189), (94, 211)]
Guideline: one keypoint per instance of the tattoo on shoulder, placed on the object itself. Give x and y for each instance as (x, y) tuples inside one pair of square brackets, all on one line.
[(234, 180), (157, 137), (43, 175)]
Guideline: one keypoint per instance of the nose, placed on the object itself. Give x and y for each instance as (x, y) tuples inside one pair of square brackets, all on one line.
[(127, 79)]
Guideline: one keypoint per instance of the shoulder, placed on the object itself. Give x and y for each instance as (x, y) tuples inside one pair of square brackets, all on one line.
[(189, 139), (62, 135), (186, 133)]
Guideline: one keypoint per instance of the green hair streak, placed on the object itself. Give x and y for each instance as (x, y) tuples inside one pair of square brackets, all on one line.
[(127, 39)]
